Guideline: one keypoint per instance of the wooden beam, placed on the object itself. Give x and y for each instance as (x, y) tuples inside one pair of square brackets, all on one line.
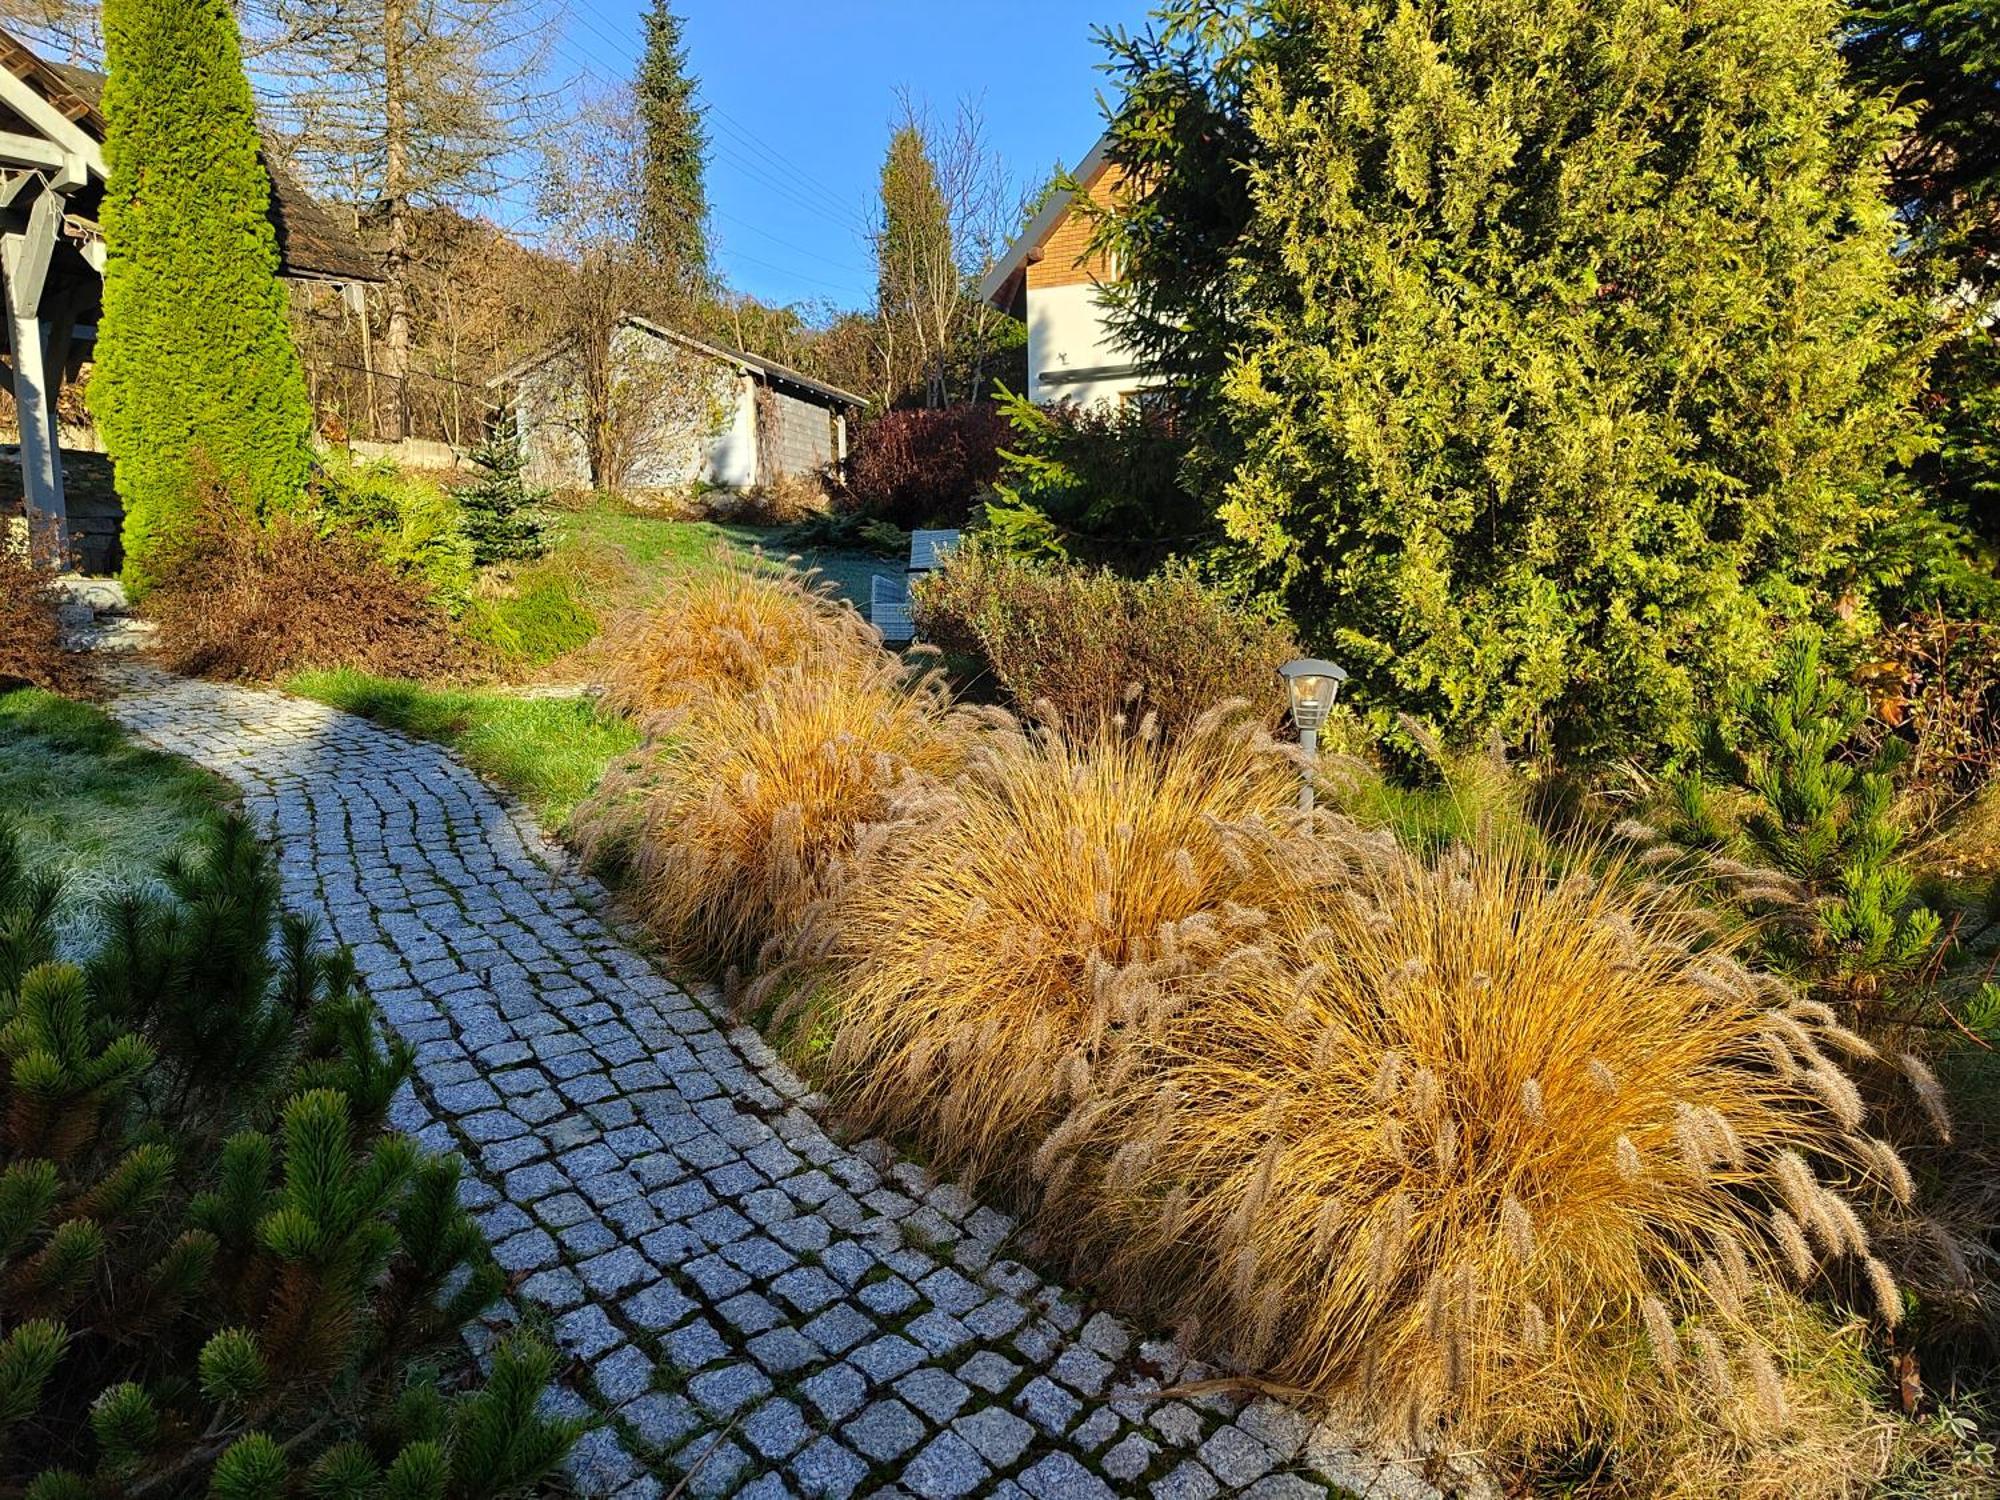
[(27, 255), (17, 150), (85, 154)]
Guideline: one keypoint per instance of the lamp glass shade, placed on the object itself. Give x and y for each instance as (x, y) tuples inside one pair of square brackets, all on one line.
[(1313, 685)]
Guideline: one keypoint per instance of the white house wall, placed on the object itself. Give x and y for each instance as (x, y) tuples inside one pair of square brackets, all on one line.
[(732, 456), (682, 413), (1067, 332), (682, 418)]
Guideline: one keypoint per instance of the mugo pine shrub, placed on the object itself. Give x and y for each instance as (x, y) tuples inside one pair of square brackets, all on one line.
[(216, 1265)]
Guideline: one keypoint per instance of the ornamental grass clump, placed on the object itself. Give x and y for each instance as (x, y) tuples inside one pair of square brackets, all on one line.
[(1526, 1156), (720, 632), (997, 940), (728, 827)]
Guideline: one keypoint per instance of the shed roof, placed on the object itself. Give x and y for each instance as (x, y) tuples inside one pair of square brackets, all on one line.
[(770, 369), (312, 243)]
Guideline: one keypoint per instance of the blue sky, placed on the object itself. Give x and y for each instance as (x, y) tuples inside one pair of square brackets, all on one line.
[(801, 93)]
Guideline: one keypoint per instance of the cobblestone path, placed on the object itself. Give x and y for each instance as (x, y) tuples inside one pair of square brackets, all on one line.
[(756, 1309)]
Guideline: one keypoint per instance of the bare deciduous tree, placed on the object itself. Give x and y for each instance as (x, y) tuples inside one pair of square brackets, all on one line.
[(402, 105), (603, 268)]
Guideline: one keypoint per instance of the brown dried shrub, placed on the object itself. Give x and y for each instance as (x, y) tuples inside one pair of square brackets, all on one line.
[(1077, 646), (251, 599), (32, 648)]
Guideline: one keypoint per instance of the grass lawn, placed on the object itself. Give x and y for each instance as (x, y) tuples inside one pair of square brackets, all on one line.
[(656, 547), (87, 801), (550, 752)]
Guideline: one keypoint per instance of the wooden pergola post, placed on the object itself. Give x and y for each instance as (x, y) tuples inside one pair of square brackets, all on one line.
[(24, 260)]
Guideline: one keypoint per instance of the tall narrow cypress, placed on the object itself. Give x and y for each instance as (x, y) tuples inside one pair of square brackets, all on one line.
[(196, 369)]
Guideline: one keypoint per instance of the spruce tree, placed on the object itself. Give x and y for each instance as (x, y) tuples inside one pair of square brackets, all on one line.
[(1543, 359), (1941, 59), (197, 374), (498, 511), (673, 207)]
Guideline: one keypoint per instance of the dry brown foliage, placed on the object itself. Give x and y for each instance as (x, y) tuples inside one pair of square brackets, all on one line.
[(995, 940), (32, 648), (1074, 647), (784, 501), (242, 598), (721, 631), (731, 823)]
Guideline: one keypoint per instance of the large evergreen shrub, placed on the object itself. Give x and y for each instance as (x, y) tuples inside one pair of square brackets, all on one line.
[(216, 1265), (194, 357), (1543, 358)]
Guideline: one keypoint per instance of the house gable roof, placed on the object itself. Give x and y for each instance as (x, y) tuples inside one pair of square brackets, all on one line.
[(1003, 284), (770, 369), (312, 243)]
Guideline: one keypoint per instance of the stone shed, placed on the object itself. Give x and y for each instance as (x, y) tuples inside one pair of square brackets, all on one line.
[(683, 413)]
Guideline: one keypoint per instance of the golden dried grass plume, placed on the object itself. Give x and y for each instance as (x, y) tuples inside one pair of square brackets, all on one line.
[(1454, 1143), (730, 825), (993, 947), (719, 632)]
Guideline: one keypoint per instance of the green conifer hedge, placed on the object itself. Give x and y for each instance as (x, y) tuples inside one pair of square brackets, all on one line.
[(196, 369), (1546, 359)]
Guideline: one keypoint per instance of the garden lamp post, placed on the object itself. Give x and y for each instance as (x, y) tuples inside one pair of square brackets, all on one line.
[(1313, 686)]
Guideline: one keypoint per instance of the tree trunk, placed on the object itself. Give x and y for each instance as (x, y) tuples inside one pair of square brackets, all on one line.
[(396, 200)]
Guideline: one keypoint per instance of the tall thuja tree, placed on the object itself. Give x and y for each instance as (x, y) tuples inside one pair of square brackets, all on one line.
[(196, 371), (1941, 58), (673, 193), (1543, 358)]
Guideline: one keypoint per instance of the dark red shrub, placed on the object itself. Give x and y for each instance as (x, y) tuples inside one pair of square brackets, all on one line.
[(923, 468)]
